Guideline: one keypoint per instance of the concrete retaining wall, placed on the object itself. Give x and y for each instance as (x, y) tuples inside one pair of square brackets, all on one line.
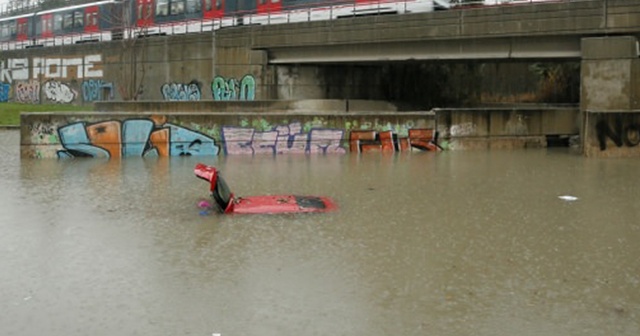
[(211, 134), (162, 133)]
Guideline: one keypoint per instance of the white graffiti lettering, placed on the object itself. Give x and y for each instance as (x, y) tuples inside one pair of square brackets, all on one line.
[(5, 74), (464, 129), (15, 69), (90, 62), (20, 68), (58, 92)]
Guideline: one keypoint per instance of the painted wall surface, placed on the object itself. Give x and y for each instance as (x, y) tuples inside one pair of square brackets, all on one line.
[(144, 135), (51, 79), (182, 68), (78, 79)]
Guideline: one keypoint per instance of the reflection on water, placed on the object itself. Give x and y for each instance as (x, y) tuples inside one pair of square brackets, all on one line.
[(458, 243)]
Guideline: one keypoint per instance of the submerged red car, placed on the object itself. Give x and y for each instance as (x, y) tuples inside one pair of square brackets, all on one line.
[(226, 202)]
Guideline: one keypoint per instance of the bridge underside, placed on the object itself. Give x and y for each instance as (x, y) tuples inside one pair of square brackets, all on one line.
[(556, 47)]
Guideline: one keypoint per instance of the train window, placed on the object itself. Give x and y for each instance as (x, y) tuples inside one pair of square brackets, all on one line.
[(275, 1), (162, 8), (57, 22), (194, 6), (78, 19), (177, 7), (67, 21), (208, 5), (149, 11), (140, 10), (218, 4)]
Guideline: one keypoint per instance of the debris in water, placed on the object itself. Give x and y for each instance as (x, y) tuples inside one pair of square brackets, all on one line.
[(568, 198)]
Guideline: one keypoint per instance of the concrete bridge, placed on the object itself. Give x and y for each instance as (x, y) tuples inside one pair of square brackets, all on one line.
[(528, 31), (312, 60)]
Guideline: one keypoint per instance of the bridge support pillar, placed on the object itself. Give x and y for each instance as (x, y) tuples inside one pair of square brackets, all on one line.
[(610, 96)]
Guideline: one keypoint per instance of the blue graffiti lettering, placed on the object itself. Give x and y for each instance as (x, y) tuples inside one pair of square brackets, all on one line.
[(188, 142), (135, 136), (4, 92), (132, 137), (181, 92), (231, 89), (93, 90), (76, 142)]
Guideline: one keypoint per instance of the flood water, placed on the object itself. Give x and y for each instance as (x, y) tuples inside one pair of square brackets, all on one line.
[(454, 243)]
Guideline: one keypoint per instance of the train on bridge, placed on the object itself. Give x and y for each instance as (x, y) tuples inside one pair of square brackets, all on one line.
[(124, 19)]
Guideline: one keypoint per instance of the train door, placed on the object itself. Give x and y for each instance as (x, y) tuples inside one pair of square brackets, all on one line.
[(269, 6), (144, 13), (47, 25), (22, 32), (213, 9), (91, 19)]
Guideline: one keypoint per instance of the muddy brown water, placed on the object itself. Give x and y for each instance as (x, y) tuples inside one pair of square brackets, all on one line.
[(457, 243)]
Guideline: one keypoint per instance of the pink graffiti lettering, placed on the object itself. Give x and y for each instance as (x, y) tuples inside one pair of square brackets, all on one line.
[(28, 92)]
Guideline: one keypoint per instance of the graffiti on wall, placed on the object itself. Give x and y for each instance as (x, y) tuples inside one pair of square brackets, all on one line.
[(285, 139), (464, 129), (132, 137), (27, 92), (154, 136), (296, 138), (14, 69), (386, 141), (181, 91), (621, 133), (5, 89), (232, 89), (96, 90), (58, 92)]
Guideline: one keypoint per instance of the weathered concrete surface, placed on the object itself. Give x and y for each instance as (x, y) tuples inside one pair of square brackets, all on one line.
[(504, 128), (610, 98), (610, 74)]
